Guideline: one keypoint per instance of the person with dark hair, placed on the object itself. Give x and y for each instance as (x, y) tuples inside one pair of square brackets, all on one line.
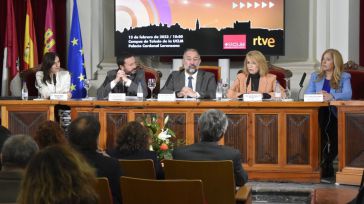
[(58, 174), (52, 78), (334, 84), (83, 134), (4, 134), (49, 133), (212, 125), (132, 142), (17, 151), (190, 81), (125, 79)]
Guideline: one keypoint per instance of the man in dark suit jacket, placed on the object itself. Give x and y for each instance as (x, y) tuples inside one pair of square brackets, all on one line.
[(17, 151), (83, 134), (125, 79), (212, 125), (189, 81)]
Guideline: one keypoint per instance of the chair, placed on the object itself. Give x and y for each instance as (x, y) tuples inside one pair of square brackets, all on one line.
[(217, 177), (102, 189), (28, 76), (216, 70), (283, 75), (140, 168), (136, 191), (152, 73), (357, 78)]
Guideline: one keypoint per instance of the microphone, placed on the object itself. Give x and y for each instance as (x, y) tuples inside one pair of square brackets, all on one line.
[(54, 79), (301, 85), (302, 79), (247, 83), (54, 82)]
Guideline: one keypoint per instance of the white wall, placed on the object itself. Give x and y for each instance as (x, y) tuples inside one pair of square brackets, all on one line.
[(311, 27)]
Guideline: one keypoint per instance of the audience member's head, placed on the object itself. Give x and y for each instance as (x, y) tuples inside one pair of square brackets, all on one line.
[(4, 134), (132, 137), (58, 174), (212, 125), (17, 151), (49, 133), (84, 132)]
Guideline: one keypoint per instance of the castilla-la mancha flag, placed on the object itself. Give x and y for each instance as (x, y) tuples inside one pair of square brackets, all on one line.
[(49, 32), (30, 58), (11, 54)]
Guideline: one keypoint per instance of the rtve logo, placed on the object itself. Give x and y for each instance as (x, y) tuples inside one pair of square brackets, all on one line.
[(260, 41)]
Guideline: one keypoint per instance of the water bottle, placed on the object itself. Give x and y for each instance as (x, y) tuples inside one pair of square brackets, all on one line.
[(140, 91), (219, 91), (277, 92), (24, 92)]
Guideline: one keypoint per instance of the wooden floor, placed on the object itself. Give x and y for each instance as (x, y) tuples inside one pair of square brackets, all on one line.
[(277, 192)]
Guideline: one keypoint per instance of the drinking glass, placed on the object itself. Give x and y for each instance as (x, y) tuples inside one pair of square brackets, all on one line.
[(86, 85), (151, 85), (287, 90), (225, 87)]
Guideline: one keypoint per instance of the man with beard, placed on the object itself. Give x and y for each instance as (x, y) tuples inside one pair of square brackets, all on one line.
[(125, 79), (189, 81)]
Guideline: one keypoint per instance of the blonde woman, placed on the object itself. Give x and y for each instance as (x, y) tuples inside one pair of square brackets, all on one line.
[(254, 78), (334, 84), (331, 80)]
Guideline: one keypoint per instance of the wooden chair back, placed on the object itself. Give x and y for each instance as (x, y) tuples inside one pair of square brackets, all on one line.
[(283, 75), (357, 78), (28, 76), (217, 177), (136, 191), (102, 189), (152, 73), (139, 168), (216, 70)]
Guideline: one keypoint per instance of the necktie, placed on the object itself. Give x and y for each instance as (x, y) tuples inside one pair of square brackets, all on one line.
[(190, 82)]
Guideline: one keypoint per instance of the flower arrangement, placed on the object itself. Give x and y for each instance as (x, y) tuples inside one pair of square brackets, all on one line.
[(163, 139)]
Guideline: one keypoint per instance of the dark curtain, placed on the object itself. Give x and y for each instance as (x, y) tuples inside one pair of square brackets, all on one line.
[(39, 11), (361, 34)]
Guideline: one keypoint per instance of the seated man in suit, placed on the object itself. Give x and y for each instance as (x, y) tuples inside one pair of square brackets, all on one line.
[(212, 125), (83, 135), (189, 81), (125, 79), (17, 151)]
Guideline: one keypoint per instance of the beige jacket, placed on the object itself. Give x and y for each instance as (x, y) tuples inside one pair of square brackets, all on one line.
[(266, 85)]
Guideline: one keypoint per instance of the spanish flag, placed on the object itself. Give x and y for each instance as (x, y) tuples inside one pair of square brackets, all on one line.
[(30, 57)]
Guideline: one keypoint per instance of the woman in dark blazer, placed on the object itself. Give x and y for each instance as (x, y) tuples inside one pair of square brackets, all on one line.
[(132, 142)]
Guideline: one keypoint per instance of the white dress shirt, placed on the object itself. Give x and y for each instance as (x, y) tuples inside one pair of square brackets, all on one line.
[(194, 80), (63, 83)]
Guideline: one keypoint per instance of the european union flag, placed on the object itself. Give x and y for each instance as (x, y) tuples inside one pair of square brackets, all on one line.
[(75, 56)]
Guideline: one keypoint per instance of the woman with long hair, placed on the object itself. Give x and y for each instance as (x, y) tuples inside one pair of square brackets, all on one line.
[(52, 78), (58, 175), (334, 84), (254, 78)]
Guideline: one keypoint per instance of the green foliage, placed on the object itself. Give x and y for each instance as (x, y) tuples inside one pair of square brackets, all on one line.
[(163, 139)]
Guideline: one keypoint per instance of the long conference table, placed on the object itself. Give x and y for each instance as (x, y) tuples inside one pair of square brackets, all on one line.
[(278, 141)]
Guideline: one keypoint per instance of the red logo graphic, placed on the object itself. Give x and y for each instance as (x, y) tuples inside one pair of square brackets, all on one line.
[(234, 42)]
